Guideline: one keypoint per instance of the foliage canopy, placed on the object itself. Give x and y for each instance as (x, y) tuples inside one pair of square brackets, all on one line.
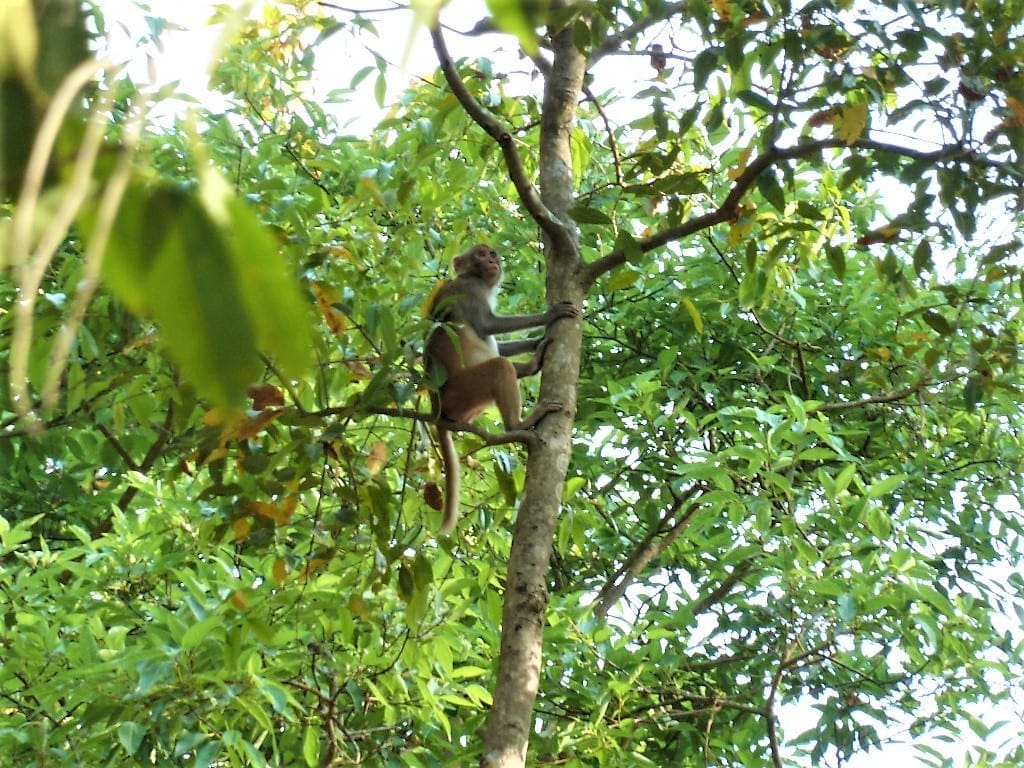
[(794, 475)]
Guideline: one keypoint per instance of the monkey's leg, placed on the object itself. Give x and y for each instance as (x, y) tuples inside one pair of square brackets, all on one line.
[(503, 375), (467, 393), (472, 389)]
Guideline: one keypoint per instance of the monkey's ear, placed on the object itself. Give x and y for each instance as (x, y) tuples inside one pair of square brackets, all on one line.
[(460, 261)]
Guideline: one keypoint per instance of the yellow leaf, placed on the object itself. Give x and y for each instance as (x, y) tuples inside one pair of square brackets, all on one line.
[(280, 570), (359, 370), (853, 119), (279, 514), (239, 600), (312, 567), (19, 40), (241, 528), (378, 456), (326, 296), (694, 313), (741, 165), (428, 303), (214, 416), (357, 607)]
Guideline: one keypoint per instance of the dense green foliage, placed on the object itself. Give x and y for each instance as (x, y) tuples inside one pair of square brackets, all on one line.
[(798, 439)]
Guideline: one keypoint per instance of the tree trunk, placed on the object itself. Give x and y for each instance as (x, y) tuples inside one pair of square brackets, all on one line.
[(510, 720)]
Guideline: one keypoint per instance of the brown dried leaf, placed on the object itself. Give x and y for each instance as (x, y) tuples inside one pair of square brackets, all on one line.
[(263, 395), (432, 496)]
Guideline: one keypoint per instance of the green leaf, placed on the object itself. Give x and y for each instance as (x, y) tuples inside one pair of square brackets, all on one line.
[(511, 16), (130, 734), (206, 754), (703, 65), (937, 322), (842, 481), (885, 486), (212, 278), (624, 278), (836, 259), (923, 257), (878, 522), (572, 487), (311, 746), (659, 117), (974, 392), (584, 215), (768, 185), (195, 634), (755, 99), (847, 607)]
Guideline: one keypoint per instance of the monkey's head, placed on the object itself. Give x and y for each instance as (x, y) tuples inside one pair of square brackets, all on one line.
[(480, 261)]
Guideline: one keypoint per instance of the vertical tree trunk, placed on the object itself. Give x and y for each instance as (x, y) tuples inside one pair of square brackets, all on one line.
[(526, 597)]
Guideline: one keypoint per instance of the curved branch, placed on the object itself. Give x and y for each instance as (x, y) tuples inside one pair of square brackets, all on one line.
[(729, 207), (613, 43), (887, 397), (545, 219)]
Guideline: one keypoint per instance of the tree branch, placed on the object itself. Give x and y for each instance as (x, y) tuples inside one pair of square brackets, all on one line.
[(729, 207), (616, 162), (525, 436), (888, 397), (649, 549), (545, 219)]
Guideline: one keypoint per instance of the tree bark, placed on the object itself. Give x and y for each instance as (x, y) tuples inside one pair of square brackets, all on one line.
[(510, 720)]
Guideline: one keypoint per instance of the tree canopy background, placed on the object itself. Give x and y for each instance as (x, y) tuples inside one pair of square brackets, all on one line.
[(787, 493)]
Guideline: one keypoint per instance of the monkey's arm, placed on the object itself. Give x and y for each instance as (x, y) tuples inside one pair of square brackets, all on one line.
[(491, 323), (532, 366), (518, 347)]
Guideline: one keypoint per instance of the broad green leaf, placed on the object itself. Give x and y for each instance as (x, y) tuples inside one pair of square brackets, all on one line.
[(198, 631), (768, 185), (624, 278), (885, 486), (311, 746), (511, 16), (584, 215), (130, 734), (214, 282)]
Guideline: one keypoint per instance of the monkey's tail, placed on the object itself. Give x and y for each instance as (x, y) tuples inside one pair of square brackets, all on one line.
[(452, 480)]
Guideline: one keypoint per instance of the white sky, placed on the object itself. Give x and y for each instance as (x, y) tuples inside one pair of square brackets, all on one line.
[(190, 45)]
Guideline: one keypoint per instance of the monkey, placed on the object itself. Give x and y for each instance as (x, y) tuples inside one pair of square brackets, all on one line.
[(475, 367)]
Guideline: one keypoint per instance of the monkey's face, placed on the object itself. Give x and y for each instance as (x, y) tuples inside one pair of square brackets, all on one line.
[(487, 264)]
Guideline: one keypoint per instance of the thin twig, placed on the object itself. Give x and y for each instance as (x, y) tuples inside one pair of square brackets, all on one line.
[(616, 163), (614, 42)]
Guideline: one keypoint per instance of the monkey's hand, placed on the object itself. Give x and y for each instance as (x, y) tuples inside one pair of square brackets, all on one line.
[(560, 310), (533, 365)]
